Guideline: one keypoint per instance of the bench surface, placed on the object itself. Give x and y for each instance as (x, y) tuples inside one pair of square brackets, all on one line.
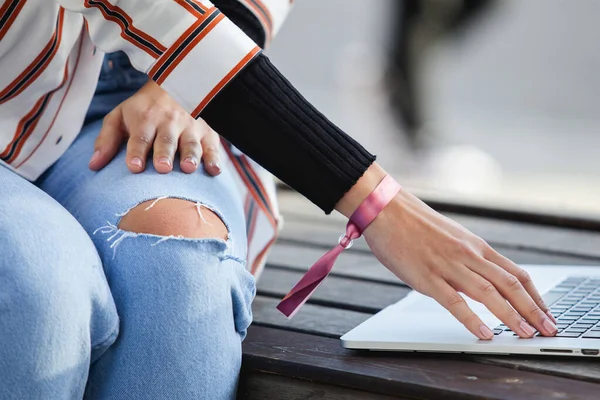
[(302, 358)]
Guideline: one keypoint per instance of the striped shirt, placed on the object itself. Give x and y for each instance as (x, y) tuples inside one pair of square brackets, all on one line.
[(50, 62), (50, 57)]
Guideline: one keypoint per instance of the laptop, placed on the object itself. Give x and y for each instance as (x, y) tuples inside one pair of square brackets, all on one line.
[(418, 323)]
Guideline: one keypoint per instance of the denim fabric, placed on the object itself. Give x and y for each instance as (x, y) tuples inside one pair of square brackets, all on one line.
[(90, 311)]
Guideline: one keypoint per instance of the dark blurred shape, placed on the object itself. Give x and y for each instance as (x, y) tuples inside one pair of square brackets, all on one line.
[(417, 26)]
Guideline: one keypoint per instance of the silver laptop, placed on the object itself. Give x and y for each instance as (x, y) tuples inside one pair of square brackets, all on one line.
[(418, 323)]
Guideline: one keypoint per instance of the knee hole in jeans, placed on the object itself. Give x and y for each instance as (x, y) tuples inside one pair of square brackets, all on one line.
[(174, 217)]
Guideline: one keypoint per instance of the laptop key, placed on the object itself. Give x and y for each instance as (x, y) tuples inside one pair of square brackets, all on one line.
[(498, 331), (592, 335), (568, 334), (583, 310), (552, 296), (578, 330), (590, 320), (566, 317)]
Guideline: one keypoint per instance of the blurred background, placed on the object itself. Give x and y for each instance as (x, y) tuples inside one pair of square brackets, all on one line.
[(488, 102)]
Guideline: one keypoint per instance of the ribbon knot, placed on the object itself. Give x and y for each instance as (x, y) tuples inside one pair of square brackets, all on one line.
[(366, 212)]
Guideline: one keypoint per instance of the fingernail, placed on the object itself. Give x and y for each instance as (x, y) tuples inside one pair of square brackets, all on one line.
[(136, 161), (215, 165), (527, 329), (549, 314), (164, 160), (549, 326), (486, 333), (191, 160), (94, 156)]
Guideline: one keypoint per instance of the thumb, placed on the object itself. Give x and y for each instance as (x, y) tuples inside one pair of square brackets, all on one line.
[(109, 140)]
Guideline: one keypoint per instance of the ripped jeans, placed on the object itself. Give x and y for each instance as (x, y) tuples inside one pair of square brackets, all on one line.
[(91, 311)]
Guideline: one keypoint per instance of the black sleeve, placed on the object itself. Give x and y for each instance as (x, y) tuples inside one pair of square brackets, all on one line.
[(264, 116)]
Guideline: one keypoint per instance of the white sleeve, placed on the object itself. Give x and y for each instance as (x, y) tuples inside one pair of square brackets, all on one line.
[(187, 46)]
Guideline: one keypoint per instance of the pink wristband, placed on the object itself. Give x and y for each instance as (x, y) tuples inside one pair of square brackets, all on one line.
[(360, 219)]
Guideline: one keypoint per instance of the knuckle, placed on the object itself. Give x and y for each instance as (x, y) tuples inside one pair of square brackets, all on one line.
[(481, 245), (512, 282), (108, 118), (486, 288), (143, 139), (191, 147), (167, 139), (189, 141), (465, 249), (172, 114), (524, 277), (534, 309), (210, 148), (454, 300), (148, 114)]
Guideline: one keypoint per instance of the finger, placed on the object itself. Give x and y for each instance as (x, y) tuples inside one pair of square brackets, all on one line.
[(165, 146), (141, 139), (210, 148), (511, 289), (522, 276), (108, 141), (190, 149), (483, 291), (449, 298)]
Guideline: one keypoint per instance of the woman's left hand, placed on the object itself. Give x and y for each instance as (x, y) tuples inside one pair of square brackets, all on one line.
[(151, 119)]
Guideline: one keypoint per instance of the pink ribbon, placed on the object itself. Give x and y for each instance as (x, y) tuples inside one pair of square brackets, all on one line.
[(366, 212)]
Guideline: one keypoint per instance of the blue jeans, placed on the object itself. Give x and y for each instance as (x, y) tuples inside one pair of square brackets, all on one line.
[(90, 311)]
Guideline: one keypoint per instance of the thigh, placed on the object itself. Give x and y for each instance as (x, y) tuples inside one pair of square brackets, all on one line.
[(100, 199), (185, 304), (54, 299)]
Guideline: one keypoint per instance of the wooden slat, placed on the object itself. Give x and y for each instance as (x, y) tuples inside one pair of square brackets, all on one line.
[(585, 370), (337, 292), (263, 386), (425, 377), (349, 264), (313, 319)]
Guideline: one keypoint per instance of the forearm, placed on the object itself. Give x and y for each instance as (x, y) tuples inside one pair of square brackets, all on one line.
[(264, 116), (278, 128)]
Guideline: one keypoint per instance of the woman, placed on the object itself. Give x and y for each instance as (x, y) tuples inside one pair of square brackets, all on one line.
[(121, 284)]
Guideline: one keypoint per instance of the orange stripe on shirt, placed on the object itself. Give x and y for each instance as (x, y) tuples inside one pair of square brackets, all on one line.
[(129, 32), (189, 31), (35, 69), (246, 172), (189, 48), (263, 14), (20, 127), (40, 106), (18, 6), (234, 71), (59, 106), (185, 4), (260, 256)]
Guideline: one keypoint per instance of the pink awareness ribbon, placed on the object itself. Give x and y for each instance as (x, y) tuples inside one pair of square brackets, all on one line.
[(366, 212)]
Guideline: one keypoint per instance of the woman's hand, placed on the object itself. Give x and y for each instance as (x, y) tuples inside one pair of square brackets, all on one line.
[(151, 119), (440, 258)]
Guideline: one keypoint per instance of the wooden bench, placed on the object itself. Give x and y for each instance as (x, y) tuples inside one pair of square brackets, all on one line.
[(302, 358)]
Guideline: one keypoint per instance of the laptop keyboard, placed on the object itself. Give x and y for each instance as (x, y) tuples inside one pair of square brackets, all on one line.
[(575, 303)]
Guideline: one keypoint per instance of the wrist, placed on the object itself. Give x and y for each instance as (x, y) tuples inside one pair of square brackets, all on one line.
[(361, 190)]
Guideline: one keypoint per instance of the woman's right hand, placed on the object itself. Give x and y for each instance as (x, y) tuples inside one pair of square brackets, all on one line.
[(439, 258)]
